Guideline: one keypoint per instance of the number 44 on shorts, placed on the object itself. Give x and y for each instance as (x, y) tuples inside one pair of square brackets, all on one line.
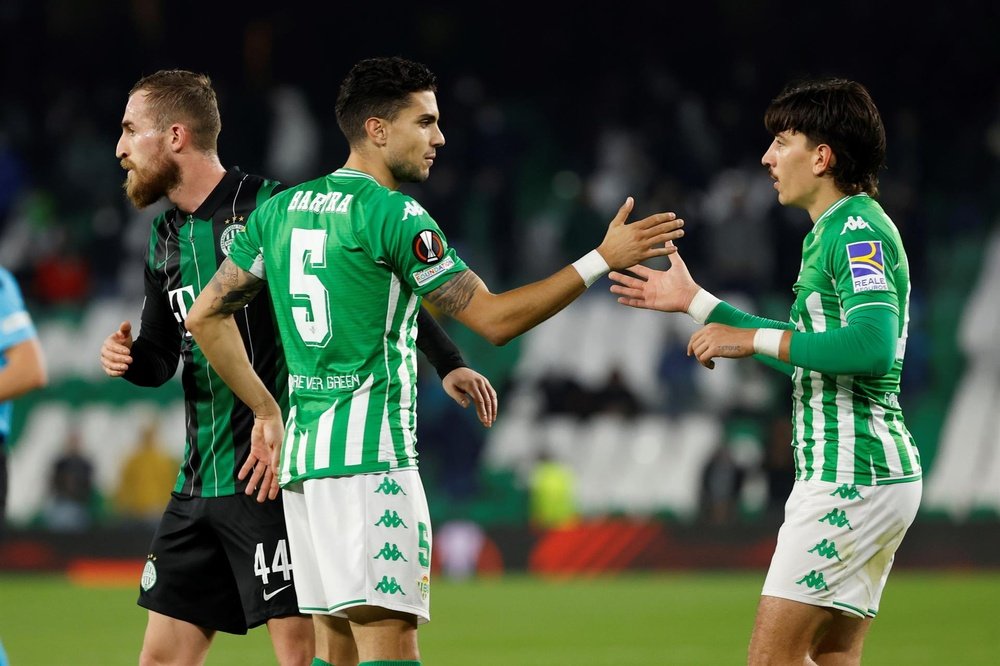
[(280, 564)]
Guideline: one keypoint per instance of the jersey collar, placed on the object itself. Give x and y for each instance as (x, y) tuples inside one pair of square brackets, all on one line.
[(837, 204), (354, 173)]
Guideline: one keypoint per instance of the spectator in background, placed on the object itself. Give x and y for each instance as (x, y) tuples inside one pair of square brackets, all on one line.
[(73, 503), (22, 369), (552, 494), (147, 477)]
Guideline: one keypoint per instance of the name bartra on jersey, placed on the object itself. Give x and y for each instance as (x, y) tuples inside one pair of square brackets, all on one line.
[(320, 202)]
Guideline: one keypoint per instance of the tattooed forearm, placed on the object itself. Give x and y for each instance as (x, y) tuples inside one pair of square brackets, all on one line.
[(232, 288), (454, 295)]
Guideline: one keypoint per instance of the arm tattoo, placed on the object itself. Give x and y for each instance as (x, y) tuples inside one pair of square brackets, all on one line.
[(232, 288), (454, 295)]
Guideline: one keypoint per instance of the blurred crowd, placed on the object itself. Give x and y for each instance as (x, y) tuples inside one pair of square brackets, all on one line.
[(551, 121)]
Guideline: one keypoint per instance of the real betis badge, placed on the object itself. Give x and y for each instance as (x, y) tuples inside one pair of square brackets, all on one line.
[(148, 579), (424, 585)]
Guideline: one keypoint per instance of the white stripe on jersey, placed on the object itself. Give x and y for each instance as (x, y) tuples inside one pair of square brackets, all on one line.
[(881, 428), (406, 398), (301, 459), (324, 433), (356, 420), (386, 451), (288, 445)]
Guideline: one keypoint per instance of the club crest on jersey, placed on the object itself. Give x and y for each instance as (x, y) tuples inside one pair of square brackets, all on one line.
[(428, 246), (867, 266), (227, 236)]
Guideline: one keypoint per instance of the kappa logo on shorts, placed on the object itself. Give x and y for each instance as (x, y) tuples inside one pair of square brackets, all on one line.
[(813, 580), (148, 579), (270, 595), (390, 551), (847, 492), (391, 519), (837, 518), (390, 487), (389, 586), (827, 549)]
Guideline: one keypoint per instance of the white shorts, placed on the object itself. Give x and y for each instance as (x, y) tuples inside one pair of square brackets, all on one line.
[(838, 542), (360, 540)]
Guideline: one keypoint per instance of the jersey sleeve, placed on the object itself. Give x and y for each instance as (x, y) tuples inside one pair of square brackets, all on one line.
[(412, 244), (860, 261), (247, 248), (157, 349), (15, 322)]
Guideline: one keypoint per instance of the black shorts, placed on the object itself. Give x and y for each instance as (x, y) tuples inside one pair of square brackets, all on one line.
[(220, 563)]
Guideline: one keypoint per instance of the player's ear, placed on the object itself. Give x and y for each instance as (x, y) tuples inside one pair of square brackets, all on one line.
[(178, 136), (376, 130), (823, 159)]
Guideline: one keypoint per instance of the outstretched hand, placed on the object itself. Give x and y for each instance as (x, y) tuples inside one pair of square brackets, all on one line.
[(262, 461), (116, 351), (628, 244), (668, 291), (465, 384)]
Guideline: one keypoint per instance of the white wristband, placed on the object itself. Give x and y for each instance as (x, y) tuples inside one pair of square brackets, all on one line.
[(591, 267), (702, 305), (767, 341)]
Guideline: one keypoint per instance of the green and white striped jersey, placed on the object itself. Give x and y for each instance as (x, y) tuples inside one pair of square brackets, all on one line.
[(346, 261), (850, 429)]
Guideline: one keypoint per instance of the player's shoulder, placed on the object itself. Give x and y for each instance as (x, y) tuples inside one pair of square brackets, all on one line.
[(857, 218)]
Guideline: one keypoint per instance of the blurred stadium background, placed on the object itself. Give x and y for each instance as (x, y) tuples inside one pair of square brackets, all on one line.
[(643, 460)]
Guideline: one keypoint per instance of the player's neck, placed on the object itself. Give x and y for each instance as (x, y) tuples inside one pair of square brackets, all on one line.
[(198, 178), (377, 169), (825, 197)]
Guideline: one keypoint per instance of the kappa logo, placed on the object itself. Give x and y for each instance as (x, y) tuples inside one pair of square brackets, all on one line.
[(270, 595), (413, 209), (853, 224)]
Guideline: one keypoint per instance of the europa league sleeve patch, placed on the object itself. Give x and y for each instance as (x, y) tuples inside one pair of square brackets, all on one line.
[(867, 266), (428, 246)]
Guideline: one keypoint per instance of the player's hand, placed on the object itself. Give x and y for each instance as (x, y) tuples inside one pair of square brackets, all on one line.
[(628, 244), (720, 341), (668, 291), (465, 384), (262, 461), (116, 352)]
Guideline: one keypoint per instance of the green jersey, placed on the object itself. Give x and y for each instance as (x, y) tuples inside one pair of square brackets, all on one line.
[(849, 428), (346, 261), (183, 254)]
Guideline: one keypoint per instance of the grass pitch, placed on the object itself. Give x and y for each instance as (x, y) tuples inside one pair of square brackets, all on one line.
[(684, 618)]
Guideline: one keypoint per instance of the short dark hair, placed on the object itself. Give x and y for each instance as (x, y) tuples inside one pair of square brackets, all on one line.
[(841, 114), (177, 95), (378, 88)]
